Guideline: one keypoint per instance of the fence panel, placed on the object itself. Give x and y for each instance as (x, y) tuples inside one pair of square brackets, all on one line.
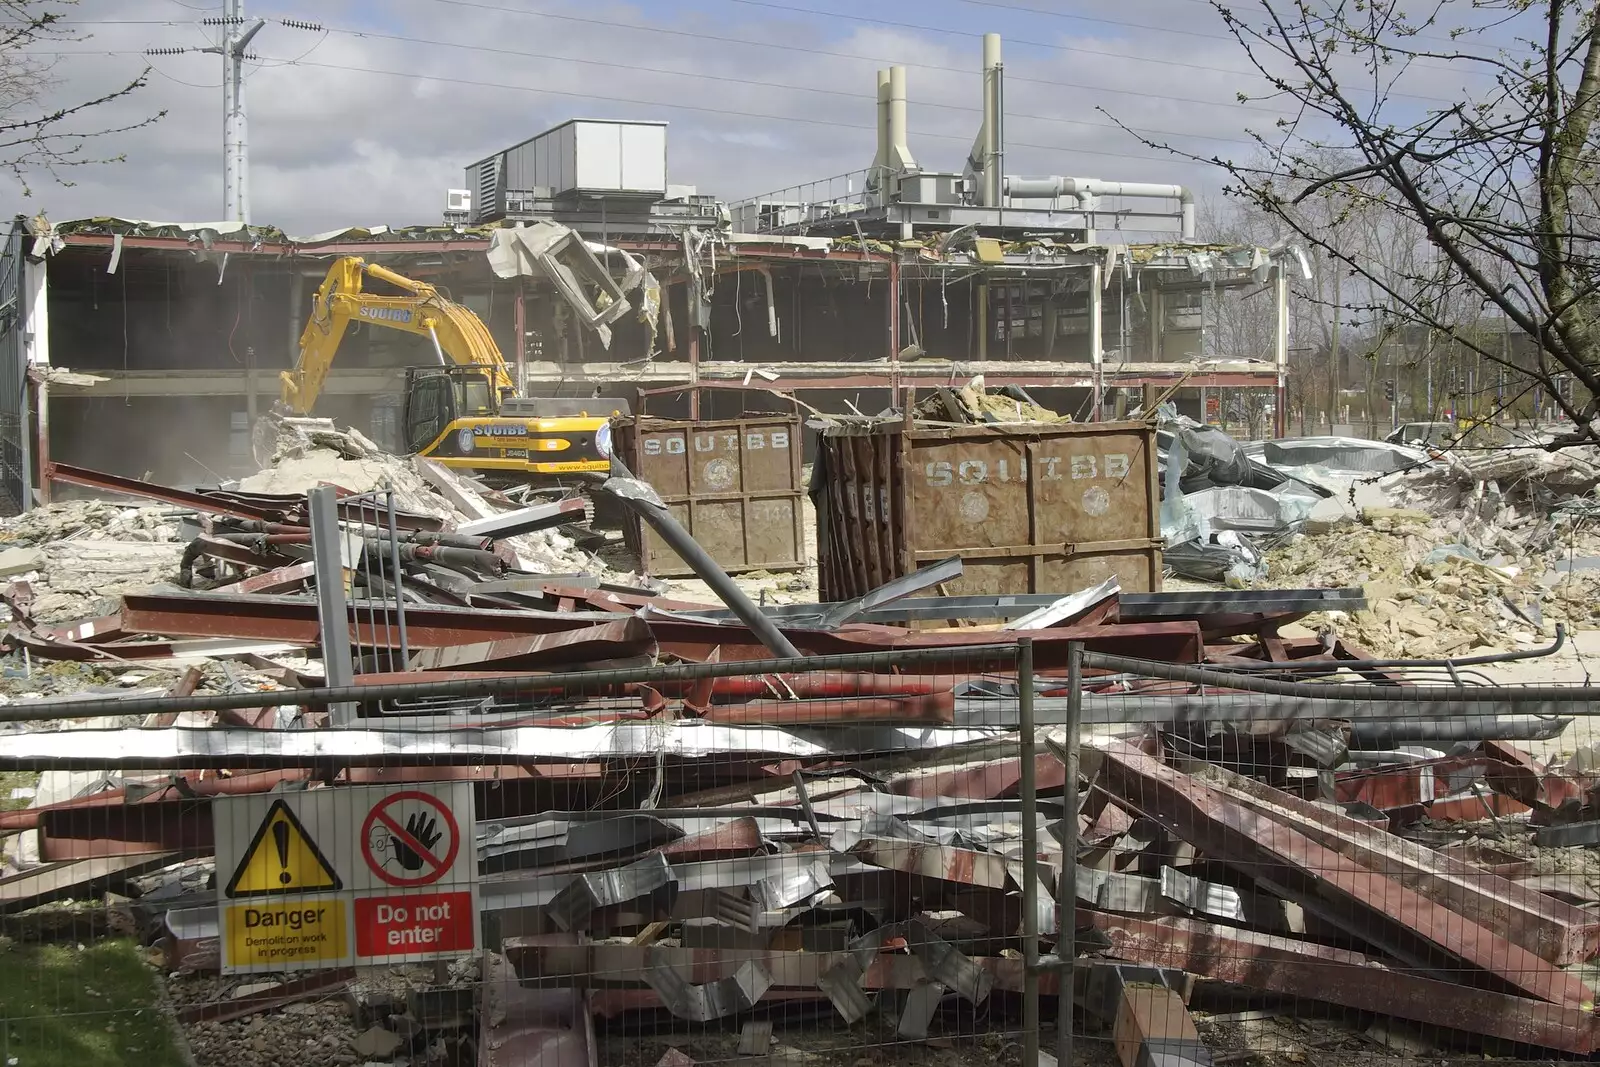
[(1321, 861), (811, 861)]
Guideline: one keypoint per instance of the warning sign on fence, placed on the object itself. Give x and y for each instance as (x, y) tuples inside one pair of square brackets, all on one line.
[(282, 858), (340, 876)]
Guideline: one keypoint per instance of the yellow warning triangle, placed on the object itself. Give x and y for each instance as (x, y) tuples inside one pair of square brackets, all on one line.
[(282, 858)]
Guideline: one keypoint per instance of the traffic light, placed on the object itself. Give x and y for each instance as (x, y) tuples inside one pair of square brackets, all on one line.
[(1388, 390)]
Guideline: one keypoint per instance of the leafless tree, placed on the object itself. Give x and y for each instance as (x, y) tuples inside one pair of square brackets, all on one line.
[(37, 134), (1491, 192)]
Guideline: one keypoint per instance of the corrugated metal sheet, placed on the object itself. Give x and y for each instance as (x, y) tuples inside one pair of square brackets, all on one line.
[(1035, 508), (734, 484)]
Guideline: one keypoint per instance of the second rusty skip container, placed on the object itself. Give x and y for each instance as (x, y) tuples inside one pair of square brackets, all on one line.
[(1030, 507), (734, 484)]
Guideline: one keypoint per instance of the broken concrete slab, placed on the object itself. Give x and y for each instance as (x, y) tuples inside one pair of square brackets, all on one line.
[(378, 1043), (1153, 1029)]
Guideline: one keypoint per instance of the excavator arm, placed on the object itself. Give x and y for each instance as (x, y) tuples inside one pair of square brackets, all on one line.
[(457, 334)]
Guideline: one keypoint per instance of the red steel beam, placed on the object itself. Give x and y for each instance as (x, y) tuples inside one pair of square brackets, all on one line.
[(194, 785), (1554, 931), (294, 621), (1261, 848), (739, 837), (984, 781), (609, 640), (135, 487), (280, 580), (1333, 976)]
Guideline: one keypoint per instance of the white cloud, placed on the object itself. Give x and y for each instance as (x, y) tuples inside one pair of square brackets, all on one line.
[(333, 144)]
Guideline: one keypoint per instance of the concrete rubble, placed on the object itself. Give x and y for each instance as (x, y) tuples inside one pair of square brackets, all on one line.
[(660, 852)]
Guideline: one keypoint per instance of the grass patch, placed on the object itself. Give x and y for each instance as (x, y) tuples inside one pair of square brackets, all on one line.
[(10, 780), (62, 1006)]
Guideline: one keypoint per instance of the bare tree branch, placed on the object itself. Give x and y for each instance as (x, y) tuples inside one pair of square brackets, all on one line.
[(1436, 216), (35, 138)]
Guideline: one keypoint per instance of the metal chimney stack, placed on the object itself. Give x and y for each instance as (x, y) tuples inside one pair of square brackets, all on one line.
[(993, 134), (899, 158), (881, 160)]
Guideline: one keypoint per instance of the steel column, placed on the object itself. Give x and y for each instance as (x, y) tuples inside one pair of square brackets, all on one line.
[(327, 550), (1028, 790), (1067, 890)]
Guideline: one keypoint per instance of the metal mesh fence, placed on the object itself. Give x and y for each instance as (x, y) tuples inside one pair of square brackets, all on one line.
[(414, 806), (813, 861), (1330, 861)]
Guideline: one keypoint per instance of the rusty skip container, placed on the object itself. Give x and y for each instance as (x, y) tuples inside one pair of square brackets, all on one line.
[(734, 484), (1030, 508)]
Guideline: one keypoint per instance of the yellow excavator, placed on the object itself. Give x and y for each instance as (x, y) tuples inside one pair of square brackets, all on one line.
[(464, 412)]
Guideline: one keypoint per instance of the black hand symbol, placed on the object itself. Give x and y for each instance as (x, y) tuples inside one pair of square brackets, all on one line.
[(423, 827)]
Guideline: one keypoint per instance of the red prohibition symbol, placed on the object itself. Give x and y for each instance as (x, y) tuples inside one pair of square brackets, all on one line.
[(410, 839)]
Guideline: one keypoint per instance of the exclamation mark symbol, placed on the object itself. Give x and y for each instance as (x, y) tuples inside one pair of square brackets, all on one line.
[(280, 836)]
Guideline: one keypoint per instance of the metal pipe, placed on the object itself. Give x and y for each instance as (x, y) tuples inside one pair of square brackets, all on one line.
[(394, 561), (1059, 186), (900, 159), (642, 499), (473, 559), (992, 147), (1028, 794), (1067, 890), (242, 530), (1363, 664), (986, 657), (1365, 693)]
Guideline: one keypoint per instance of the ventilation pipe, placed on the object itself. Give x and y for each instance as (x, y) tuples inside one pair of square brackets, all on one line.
[(899, 158), (994, 119), (1086, 190), (984, 161), (881, 160)]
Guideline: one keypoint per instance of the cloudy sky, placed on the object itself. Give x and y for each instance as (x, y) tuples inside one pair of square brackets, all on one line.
[(372, 118)]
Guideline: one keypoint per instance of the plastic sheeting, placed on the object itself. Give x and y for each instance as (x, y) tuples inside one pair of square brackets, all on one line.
[(1342, 454), (1238, 507), (1214, 455)]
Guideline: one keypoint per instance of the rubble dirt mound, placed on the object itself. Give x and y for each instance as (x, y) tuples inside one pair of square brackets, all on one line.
[(1432, 596)]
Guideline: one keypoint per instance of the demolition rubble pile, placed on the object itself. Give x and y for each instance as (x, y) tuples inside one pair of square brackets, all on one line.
[(74, 559), (1480, 553), (795, 846)]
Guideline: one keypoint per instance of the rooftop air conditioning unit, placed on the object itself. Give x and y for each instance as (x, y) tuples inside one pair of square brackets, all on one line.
[(458, 201)]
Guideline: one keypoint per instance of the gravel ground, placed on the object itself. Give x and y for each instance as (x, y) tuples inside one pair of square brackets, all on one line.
[(318, 1032)]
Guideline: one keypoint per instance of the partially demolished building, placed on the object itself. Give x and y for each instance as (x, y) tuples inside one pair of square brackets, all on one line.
[(848, 294)]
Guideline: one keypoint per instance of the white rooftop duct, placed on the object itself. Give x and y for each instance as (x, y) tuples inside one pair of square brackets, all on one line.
[(984, 162), (899, 158), (881, 159), (1087, 190)]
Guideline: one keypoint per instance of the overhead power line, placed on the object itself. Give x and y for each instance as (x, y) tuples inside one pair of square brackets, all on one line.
[(232, 44), (657, 30), (1075, 17), (1011, 76), (756, 82), (706, 109)]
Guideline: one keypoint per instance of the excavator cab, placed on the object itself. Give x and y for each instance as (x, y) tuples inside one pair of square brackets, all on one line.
[(456, 416), (465, 411), (438, 396)]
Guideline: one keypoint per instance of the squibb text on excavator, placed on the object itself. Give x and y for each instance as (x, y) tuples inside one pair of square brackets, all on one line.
[(463, 412)]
